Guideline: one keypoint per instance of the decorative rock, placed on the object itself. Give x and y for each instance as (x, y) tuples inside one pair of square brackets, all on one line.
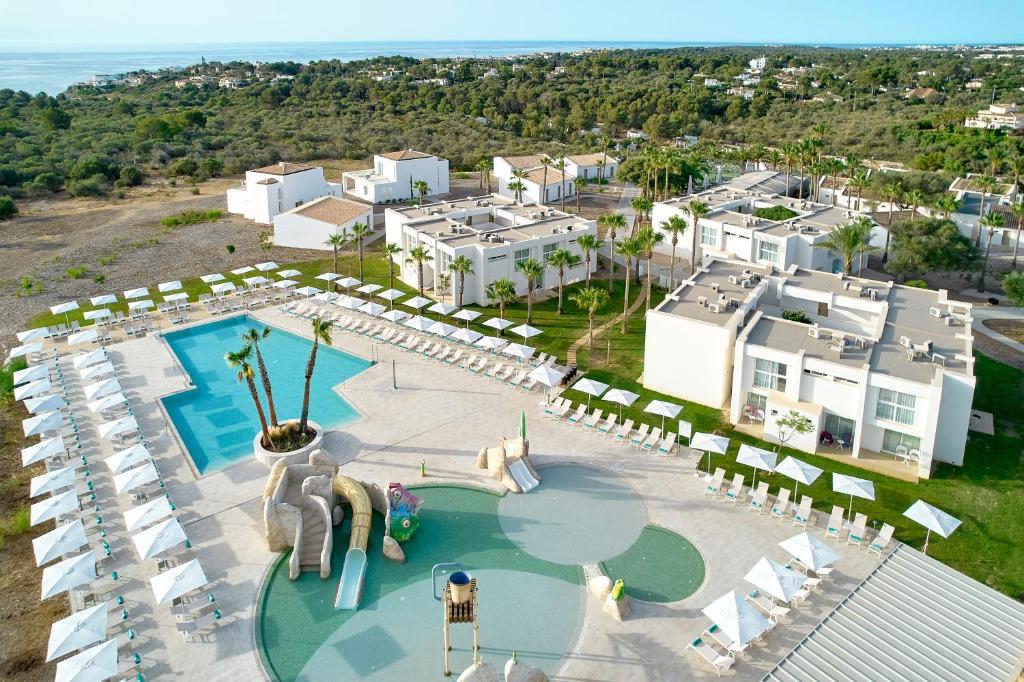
[(520, 672), (600, 586), (481, 459), (320, 459), (479, 672), (319, 486), (618, 609), (337, 515), (393, 550)]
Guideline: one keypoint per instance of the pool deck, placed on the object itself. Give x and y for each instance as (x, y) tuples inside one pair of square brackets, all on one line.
[(441, 415)]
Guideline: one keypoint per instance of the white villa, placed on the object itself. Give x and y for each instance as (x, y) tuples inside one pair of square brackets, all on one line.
[(997, 117), (494, 232), (558, 185), (394, 175), (732, 230), (880, 368), (308, 226), (276, 188)]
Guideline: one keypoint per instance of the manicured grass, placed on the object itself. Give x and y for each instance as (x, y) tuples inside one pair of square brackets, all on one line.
[(661, 566)]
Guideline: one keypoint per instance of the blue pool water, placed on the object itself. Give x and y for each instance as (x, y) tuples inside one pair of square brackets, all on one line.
[(216, 420)]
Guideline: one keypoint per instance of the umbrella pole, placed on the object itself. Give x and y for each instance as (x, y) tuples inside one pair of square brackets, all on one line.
[(927, 537), (796, 489), (588, 402), (850, 519), (753, 483)]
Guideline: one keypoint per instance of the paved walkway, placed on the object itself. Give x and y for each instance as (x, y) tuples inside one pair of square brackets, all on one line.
[(981, 314)]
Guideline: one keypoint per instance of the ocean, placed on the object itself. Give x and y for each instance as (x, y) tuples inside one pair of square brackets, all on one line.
[(51, 68)]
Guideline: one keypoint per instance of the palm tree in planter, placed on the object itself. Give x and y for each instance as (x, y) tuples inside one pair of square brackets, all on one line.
[(359, 231), (631, 248), (252, 338), (649, 237), (849, 241), (675, 226), (240, 360), (588, 243), (580, 183), (561, 259), (590, 299), (419, 255), (990, 222), (390, 251), (336, 241), (461, 266), (697, 210), (516, 187), (422, 188), (613, 222), (501, 292), (533, 270), (321, 333)]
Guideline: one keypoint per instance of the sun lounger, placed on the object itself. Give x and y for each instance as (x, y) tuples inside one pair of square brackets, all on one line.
[(456, 357), (835, 523), (190, 629), (539, 360), (441, 353), (773, 611), (641, 434), (735, 490), (505, 373), (552, 406), (668, 444), (592, 420), (758, 499), (517, 378), (529, 384), (608, 424), (856, 534), (803, 512), (781, 506), (478, 365), (881, 540), (428, 348), (714, 484), (651, 440), (720, 662), (715, 633), (410, 342), (493, 371), (580, 413), (386, 335), (624, 431), (564, 409)]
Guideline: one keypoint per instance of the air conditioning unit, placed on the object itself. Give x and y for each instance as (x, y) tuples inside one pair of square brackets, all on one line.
[(733, 279), (715, 308)]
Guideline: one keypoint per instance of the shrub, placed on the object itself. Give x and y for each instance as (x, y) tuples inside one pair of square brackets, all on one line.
[(93, 186), (7, 377), (191, 218), (916, 283), (130, 176), (99, 278), (796, 315), (184, 166), (20, 521), (230, 248), (29, 286), (7, 207), (776, 213), (1013, 287), (108, 259), (75, 273)]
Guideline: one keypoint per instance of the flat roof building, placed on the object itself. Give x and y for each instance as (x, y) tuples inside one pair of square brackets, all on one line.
[(394, 176), (276, 188)]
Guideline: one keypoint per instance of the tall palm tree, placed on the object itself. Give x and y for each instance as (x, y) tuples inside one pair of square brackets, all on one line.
[(390, 251), (561, 259), (516, 187), (675, 226), (580, 183), (995, 157), (858, 183), (640, 206), (533, 270), (501, 292), (891, 191), (336, 241), (321, 333), (790, 157), (483, 167), (461, 266), (649, 238), (590, 299), (422, 188), (946, 204), (631, 248), (545, 162), (984, 185), (849, 241), (419, 255), (774, 159), (670, 162), (359, 231), (600, 171), (560, 167), (588, 243), (834, 167), (991, 221), (240, 360), (1017, 169), (913, 198), (613, 222), (1018, 213), (252, 337), (697, 210)]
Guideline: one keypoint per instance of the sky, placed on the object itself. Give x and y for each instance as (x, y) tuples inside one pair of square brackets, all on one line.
[(684, 21)]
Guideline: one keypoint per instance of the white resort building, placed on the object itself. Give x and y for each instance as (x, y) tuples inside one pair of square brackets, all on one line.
[(394, 176), (276, 188), (558, 184), (494, 232), (308, 226), (876, 367)]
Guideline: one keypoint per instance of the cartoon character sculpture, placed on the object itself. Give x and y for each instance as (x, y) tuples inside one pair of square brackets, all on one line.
[(402, 519)]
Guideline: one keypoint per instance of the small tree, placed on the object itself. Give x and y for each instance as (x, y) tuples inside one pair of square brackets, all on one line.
[(444, 284), (791, 425), (501, 292), (390, 251), (990, 222), (321, 333), (533, 270), (561, 259), (517, 187), (462, 266), (1013, 287), (422, 188), (7, 207), (580, 183), (588, 243), (336, 241), (359, 231), (590, 299), (419, 255)]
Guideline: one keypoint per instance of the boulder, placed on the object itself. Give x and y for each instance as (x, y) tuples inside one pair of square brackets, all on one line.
[(618, 609), (337, 515), (516, 671), (320, 486), (393, 550), (479, 672), (322, 461), (600, 586), (481, 459)]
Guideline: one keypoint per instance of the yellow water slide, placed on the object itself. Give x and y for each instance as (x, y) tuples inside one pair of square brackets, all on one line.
[(350, 587)]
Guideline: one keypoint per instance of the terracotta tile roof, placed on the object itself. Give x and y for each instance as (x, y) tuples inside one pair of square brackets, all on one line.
[(332, 210), (405, 155), (969, 184), (283, 168), (591, 159), (524, 162), (554, 176)]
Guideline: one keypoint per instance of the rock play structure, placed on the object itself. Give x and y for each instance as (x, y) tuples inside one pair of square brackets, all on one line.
[(303, 502), (509, 463), (515, 671), (612, 596)]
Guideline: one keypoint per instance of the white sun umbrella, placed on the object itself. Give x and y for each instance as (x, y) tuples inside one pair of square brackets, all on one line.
[(799, 470), (244, 270), (854, 487), (42, 423), (525, 331), (737, 619), (51, 481), (158, 538), (127, 481), (371, 308), (123, 460), (98, 314), (32, 373), (146, 514), (32, 334), (267, 266), (104, 299), (775, 579), (223, 288), (116, 427), (395, 315), (441, 329), (491, 343), (78, 630), (32, 388), (177, 581), (663, 409), (89, 358), (466, 336), (107, 402), (289, 273), (255, 280), (369, 288), (64, 309), (42, 450), (95, 664), (85, 336), (212, 278), (442, 308), (24, 349), (810, 551), (549, 376), (307, 291), (933, 519), (101, 388), (331, 297), (165, 287), (45, 403), (285, 284), (419, 323), (347, 282), (174, 298), (709, 442), (53, 506), (346, 302), (416, 302), (328, 276), (518, 351), (59, 541), (621, 398), (141, 292), (759, 458), (96, 371), (390, 294), (591, 388), (68, 574), (144, 304), (466, 315)]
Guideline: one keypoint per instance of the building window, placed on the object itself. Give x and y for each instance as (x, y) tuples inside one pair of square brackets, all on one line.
[(891, 440), (708, 236), (894, 406), (549, 249), (841, 428), (521, 255), (768, 252), (757, 402), (769, 374), (491, 259), (446, 262)]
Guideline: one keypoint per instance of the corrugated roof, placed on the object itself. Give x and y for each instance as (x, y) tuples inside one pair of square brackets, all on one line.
[(912, 619), (405, 155), (332, 210)]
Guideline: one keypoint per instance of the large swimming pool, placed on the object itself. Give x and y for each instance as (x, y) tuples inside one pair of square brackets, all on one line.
[(216, 420)]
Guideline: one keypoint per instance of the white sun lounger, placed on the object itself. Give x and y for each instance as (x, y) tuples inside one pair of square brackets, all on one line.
[(715, 633), (714, 485), (478, 365), (456, 357), (552, 407), (759, 497), (592, 421), (608, 424), (781, 506), (579, 414), (564, 409), (835, 523), (803, 512), (668, 444), (623, 432), (640, 435), (651, 440), (773, 611), (856, 534), (493, 371), (881, 540), (735, 490), (720, 662)]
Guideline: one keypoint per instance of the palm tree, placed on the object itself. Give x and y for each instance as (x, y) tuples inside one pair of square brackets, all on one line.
[(390, 251), (501, 291), (670, 161), (360, 230), (461, 266), (834, 167), (675, 226), (946, 204), (985, 185), (613, 222), (913, 198), (1017, 168), (697, 210), (560, 167), (991, 221), (630, 248), (858, 183), (252, 337), (483, 167), (580, 183), (1018, 213), (240, 360), (590, 299), (849, 241), (600, 171), (321, 333), (791, 157), (419, 255), (422, 188), (533, 270), (545, 162), (562, 259), (774, 159), (995, 157), (648, 238), (588, 243), (640, 205), (336, 241), (516, 187), (891, 191)]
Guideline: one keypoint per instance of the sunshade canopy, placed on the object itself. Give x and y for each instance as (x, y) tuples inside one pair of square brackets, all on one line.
[(347, 282), (255, 281), (51, 481), (53, 506), (490, 343), (105, 299), (40, 451), (709, 442), (798, 470), (369, 288), (125, 459), (68, 574), (98, 370), (158, 538), (24, 349), (177, 581), (441, 329), (131, 479), (101, 388), (32, 388), (141, 292), (165, 287), (32, 334), (548, 376), (371, 308), (328, 276), (212, 278), (245, 269), (146, 514), (64, 308), (285, 284), (932, 518), (179, 296), (59, 541), (851, 485), (223, 287), (32, 373), (45, 403), (443, 308), (416, 302), (498, 323), (810, 551), (390, 294), (97, 314), (107, 402), (330, 297), (290, 272), (525, 331), (740, 621), (140, 305), (621, 397), (466, 335), (85, 336), (42, 423), (95, 664), (419, 323), (663, 409), (774, 579), (307, 291), (759, 458), (518, 351), (78, 630), (89, 358), (466, 315), (395, 315), (267, 266), (116, 427)]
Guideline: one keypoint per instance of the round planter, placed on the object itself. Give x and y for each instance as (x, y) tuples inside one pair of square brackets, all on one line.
[(300, 456)]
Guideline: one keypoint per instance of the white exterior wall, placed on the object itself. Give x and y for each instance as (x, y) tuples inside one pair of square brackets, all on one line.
[(590, 171), (687, 358), (261, 202), (300, 232), (399, 177)]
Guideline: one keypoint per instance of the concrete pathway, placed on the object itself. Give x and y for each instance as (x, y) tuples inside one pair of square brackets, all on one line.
[(997, 313)]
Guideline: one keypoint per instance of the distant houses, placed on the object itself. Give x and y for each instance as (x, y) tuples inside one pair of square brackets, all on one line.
[(997, 117), (277, 188), (550, 184), (394, 176)]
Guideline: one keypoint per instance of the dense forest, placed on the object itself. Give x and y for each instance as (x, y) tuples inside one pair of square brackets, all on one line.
[(89, 140)]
